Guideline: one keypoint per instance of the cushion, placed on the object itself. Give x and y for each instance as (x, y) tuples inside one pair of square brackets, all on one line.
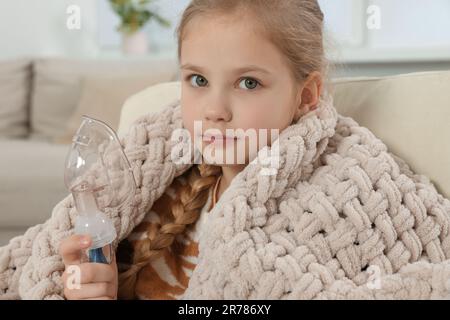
[(32, 181), (102, 98), (152, 99), (15, 77), (410, 113), (58, 87)]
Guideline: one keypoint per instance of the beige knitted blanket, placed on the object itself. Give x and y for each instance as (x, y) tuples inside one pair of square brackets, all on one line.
[(341, 218)]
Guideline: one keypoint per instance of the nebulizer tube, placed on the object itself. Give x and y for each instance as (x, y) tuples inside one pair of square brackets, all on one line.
[(99, 177)]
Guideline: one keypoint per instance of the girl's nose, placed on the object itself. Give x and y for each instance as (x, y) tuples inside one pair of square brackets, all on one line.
[(217, 110)]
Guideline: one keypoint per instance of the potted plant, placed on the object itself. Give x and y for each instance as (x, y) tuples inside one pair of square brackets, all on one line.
[(134, 15)]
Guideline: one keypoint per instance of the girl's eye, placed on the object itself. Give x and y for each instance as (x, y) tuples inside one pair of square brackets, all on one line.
[(249, 83), (199, 80)]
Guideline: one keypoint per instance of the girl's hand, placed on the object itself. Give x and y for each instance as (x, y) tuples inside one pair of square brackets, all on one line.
[(98, 281)]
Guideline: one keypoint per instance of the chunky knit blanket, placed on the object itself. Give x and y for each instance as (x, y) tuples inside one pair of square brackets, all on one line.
[(341, 217)]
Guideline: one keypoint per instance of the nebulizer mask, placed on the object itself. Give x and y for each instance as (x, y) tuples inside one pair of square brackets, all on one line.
[(99, 176)]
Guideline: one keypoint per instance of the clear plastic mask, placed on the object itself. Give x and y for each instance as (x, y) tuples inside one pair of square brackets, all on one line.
[(99, 175)]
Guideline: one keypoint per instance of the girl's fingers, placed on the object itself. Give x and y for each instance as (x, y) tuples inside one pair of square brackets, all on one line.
[(87, 280), (97, 272), (71, 248), (92, 291)]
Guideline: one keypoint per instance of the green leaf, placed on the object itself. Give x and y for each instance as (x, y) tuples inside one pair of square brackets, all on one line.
[(162, 21), (134, 16)]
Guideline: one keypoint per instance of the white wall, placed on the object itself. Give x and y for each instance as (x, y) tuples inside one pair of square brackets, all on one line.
[(414, 35), (38, 27), (408, 30), (412, 24)]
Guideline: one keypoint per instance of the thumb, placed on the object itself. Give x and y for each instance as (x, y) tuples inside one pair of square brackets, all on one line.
[(71, 248)]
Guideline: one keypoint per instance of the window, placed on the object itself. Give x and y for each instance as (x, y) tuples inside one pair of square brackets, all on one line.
[(410, 30)]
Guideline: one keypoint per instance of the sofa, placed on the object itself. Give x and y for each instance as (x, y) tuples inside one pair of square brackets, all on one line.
[(41, 104), (410, 113)]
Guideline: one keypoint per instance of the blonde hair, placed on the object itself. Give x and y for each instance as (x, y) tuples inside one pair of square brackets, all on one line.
[(296, 28)]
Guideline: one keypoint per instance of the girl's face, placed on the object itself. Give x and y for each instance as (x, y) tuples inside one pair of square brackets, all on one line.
[(234, 78)]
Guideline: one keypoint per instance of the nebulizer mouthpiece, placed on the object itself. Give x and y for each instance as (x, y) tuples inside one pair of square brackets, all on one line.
[(99, 176)]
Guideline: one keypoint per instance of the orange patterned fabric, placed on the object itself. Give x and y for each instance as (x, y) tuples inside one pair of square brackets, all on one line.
[(167, 276)]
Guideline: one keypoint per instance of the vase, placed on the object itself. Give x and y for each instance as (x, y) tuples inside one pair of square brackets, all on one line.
[(135, 43)]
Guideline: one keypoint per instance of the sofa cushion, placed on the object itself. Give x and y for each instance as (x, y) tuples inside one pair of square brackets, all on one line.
[(152, 99), (32, 181), (57, 87), (410, 113), (102, 98), (15, 81)]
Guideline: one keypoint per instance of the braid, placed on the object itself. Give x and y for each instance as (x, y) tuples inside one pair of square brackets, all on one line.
[(185, 210)]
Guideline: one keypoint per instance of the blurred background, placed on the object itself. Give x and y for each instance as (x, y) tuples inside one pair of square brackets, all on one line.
[(411, 34), (60, 59)]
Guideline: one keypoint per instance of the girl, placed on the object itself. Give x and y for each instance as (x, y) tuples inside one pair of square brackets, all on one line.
[(338, 210), (228, 84)]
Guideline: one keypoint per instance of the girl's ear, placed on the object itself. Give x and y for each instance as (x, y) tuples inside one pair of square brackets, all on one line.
[(309, 95)]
